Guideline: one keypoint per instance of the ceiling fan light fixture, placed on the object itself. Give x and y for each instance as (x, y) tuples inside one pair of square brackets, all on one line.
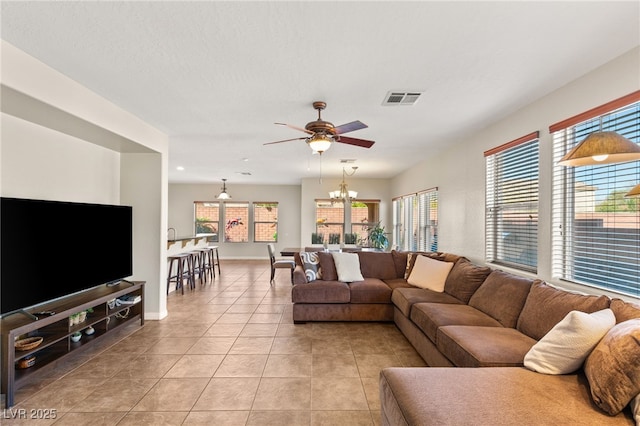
[(319, 142), (224, 195), (601, 148)]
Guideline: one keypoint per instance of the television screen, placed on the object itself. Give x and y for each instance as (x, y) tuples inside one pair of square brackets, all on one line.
[(51, 249)]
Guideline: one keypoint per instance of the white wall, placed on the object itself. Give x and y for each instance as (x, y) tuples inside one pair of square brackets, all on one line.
[(60, 141), (459, 173), (64, 168), (182, 196)]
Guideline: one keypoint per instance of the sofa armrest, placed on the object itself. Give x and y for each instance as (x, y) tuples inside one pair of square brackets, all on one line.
[(299, 277)]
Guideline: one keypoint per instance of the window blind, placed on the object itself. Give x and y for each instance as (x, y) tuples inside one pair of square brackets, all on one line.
[(415, 221), (428, 220), (511, 215), (596, 230)]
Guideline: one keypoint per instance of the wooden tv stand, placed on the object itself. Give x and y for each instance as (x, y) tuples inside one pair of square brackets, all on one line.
[(56, 330)]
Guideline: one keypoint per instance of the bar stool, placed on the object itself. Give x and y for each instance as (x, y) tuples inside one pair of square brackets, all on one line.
[(183, 270), (196, 257), (208, 262), (214, 255)]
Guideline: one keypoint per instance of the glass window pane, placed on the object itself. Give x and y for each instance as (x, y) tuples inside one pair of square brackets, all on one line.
[(265, 222), (329, 223), (596, 239), (512, 206), (236, 228), (207, 219)]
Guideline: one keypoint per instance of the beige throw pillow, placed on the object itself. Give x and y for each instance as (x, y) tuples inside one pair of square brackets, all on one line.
[(565, 347), (430, 274), (348, 267)]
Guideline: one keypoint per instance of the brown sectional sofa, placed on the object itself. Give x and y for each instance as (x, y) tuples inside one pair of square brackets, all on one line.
[(483, 318)]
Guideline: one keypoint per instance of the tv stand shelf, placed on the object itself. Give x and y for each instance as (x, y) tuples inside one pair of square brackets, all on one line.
[(103, 316)]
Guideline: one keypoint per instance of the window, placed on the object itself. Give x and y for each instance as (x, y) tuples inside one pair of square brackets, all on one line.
[(512, 203), (329, 222), (364, 214), (236, 229), (415, 221), (428, 220), (596, 230), (207, 218), (265, 222)]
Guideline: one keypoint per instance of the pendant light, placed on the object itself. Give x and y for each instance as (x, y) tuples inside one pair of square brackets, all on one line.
[(601, 148), (224, 195)]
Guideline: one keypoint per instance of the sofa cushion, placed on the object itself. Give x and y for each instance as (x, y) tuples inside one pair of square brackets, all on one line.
[(411, 260), (547, 305), (565, 347), (398, 283), (404, 298), (400, 262), (487, 396), (624, 310), (448, 257), (321, 292), (502, 296), (348, 267), (377, 265), (473, 346), (464, 279), (428, 317), (635, 408), (311, 265), (370, 290), (429, 273), (613, 367), (328, 266)]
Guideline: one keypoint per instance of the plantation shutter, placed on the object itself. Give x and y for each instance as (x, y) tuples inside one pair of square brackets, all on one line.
[(596, 230), (512, 203)]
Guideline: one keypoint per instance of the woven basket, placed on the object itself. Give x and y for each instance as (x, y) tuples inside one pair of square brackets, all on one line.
[(28, 343)]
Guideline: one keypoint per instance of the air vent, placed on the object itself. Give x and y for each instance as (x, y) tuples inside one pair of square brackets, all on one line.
[(347, 161), (244, 173), (401, 98)]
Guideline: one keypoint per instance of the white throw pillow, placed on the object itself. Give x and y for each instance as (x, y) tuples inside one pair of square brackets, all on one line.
[(565, 347), (429, 273), (348, 267)]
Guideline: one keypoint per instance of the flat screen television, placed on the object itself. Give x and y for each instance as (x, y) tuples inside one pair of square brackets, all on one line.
[(51, 249)]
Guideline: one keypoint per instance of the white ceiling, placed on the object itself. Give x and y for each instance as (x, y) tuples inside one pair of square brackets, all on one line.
[(215, 76)]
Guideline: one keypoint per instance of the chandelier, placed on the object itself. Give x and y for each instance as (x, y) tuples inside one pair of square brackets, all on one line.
[(343, 194)]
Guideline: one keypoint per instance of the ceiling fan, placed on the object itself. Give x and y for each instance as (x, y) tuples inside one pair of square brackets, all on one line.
[(322, 133)]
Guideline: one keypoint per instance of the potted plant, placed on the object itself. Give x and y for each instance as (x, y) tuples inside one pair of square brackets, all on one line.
[(377, 237), (75, 337), (317, 238)]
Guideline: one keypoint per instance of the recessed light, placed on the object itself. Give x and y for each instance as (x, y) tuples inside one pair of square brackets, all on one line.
[(245, 159), (180, 168)]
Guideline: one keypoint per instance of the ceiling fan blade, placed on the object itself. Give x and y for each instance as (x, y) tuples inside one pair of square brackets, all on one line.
[(354, 141), (350, 127), (286, 140), (291, 126)]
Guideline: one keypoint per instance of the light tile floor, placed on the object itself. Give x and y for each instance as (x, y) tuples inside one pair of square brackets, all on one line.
[(227, 354)]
